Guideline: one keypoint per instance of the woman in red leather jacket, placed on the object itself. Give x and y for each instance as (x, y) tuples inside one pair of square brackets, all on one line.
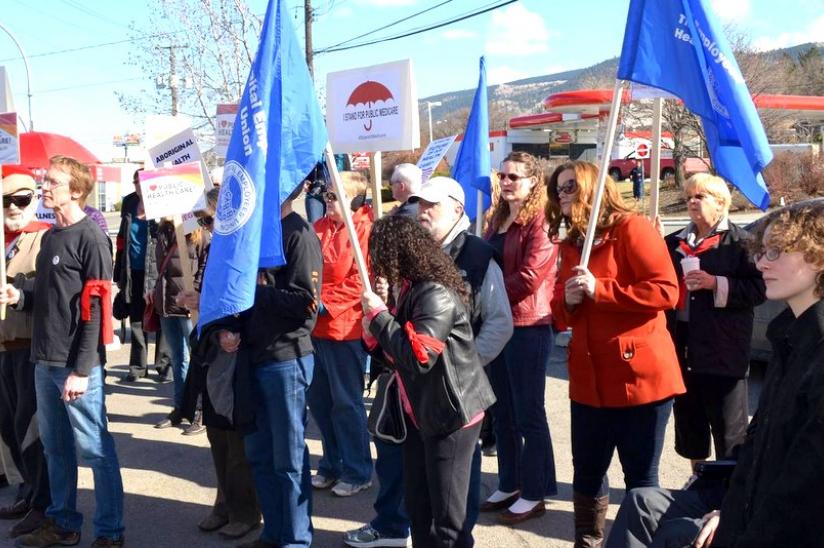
[(623, 371), (427, 339), (518, 232)]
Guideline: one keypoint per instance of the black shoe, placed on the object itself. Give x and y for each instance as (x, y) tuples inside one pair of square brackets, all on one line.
[(163, 379), (196, 427), (48, 534), (172, 419), (103, 542), (131, 377), (31, 522), (14, 511)]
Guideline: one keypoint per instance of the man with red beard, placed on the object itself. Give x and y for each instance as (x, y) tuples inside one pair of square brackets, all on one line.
[(18, 406)]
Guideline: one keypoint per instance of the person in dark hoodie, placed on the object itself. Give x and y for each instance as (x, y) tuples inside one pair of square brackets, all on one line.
[(276, 335), (770, 497)]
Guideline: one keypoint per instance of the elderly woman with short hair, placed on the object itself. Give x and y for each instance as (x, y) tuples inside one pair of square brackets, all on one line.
[(712, 323)]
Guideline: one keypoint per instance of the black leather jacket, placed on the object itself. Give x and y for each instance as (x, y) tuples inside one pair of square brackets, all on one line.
[(450, 388)]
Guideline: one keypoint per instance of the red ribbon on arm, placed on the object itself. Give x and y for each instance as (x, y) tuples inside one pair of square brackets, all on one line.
[(103, 290), (422, 343)]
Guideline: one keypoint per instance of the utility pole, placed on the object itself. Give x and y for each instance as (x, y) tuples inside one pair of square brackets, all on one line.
[(308, 16), (172, 77)]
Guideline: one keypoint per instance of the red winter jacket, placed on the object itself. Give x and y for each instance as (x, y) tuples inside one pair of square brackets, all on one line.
[(529, 267)]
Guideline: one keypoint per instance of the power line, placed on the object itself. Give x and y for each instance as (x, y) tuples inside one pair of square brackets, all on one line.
[(94, 46), (419, 30)]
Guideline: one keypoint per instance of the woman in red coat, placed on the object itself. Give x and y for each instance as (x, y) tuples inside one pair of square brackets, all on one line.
[(623, 371), (336, 394)]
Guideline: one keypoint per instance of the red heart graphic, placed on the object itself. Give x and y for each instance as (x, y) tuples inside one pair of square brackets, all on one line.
[(152, 187)]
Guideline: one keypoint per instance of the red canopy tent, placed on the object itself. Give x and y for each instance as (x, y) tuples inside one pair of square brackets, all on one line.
[(36, 147)]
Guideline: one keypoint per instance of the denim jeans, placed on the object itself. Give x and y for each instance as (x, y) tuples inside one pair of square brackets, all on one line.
[(277, 451), (638, 434), (176, 331), (390, 519), (67, 429), (336, 401), (526, 461)]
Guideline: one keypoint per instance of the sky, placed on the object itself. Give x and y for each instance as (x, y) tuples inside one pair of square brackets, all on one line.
[(73, 92)]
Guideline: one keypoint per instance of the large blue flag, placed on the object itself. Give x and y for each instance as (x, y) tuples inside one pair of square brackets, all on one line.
[(472, 164), (679, 46), (278, 137)]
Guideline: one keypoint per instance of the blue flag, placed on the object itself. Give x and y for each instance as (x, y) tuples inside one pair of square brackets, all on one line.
[(472, 164), (679, 46), (278, 137)]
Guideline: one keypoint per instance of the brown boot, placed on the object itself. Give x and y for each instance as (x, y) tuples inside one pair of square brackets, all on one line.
[(590, 520)]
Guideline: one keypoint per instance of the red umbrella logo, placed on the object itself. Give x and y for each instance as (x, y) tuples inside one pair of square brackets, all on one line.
[(369, 93)]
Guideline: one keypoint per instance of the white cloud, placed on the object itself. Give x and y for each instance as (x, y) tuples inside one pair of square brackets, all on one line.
[(730, 11), (500, 74), (458, 34), (813, 33), (517, 31), (343, 11)]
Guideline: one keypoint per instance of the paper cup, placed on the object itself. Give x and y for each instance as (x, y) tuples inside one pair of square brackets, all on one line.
[(688, 264)]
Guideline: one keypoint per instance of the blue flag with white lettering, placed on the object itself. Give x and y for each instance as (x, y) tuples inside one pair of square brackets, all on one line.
[(278, 138), (472, 164), (679, 46)]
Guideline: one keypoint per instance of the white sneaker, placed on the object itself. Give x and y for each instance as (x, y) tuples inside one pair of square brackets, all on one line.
[(345, 489), (319, 481)]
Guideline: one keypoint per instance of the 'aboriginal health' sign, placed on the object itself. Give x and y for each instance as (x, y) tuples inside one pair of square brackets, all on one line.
[(170, 191), (373, 109)]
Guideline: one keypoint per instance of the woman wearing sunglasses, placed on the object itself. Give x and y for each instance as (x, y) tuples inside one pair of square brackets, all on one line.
[(336, 393), (517, 231), (623, 371)]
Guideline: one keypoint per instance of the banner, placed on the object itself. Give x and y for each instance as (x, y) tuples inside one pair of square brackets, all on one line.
[(277, 140), (9, 139), (679, 46), (433, 154), (224, 122), (170, 191), (6, 98), (373, 109)]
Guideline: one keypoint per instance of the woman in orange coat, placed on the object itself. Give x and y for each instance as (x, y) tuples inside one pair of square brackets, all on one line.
[(336, 394), (623, 371)]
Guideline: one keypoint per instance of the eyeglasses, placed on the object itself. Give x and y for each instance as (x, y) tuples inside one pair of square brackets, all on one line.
[(205, 221), (20, 200), (330, 196), (53, 183), (514, 177), (769, 253), (569, 187), (699, 197)]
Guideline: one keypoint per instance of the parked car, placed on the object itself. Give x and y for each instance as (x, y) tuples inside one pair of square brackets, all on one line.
[(619, 169)]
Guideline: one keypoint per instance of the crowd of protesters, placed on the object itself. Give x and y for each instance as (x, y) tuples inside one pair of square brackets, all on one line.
[(453, 333)]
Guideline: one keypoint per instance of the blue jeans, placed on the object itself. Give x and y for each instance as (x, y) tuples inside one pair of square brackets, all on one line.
[(67, 429), (391, 519), (277, 451), (336, 401), (636, 432), (526, 461), (176, 331)]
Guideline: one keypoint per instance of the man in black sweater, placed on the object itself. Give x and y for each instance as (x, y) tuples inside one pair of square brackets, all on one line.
[(276, 332), (70, 297)]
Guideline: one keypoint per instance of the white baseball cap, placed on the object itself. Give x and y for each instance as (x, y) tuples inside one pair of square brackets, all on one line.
[(437, 189)]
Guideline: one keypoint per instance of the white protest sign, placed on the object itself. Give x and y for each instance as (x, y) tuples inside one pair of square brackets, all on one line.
[(170, 191), (372, 109), (224, 123), (9, 140), (431, 157)]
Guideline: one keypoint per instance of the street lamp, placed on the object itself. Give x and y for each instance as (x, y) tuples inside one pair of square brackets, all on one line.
[(429, 105), (26, 63)]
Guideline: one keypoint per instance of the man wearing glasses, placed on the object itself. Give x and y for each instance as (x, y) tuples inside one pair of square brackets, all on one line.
[(18, 403), (70, 299)]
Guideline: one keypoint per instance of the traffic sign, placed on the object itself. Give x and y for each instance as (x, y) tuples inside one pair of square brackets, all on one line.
[(642, 150)]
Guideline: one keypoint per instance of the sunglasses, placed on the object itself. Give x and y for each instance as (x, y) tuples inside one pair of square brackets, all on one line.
[(21, 200), (330, 196), (205, 221), (514, 177), (769, 253), (569, 187)]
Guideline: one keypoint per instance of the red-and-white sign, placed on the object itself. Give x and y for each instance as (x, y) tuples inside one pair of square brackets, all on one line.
[(642, 150), (359, 161), (562, 138), (224, 123), (373, 109)]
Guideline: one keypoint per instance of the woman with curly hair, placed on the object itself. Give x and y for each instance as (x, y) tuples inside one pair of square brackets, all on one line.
[(623, 371), (517, 231), (427, 339)]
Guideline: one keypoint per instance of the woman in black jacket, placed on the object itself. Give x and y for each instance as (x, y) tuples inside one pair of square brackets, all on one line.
[(428, 341)]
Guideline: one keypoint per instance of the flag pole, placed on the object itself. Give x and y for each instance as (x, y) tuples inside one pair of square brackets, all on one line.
[(479, 214), (375, 172), (655, 156), (343, 199), (602, 174)]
